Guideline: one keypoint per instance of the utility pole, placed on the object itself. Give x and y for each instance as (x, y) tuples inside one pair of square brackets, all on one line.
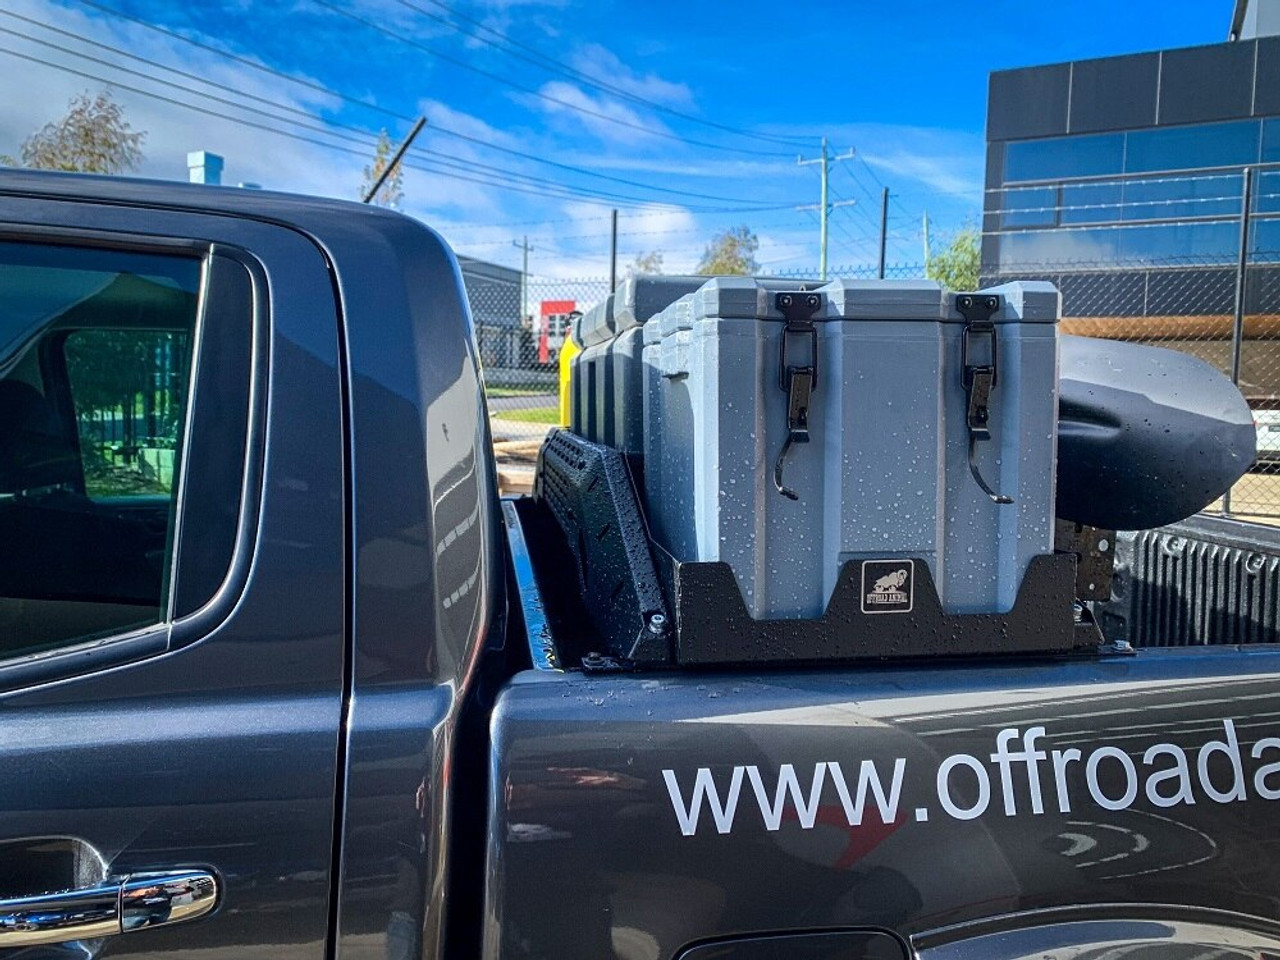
[(884, 226), (613, 255), (825, 206), (927, 250), (523, 246)]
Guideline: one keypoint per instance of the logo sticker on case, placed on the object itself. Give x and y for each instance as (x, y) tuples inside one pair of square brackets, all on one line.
[(887, 586)]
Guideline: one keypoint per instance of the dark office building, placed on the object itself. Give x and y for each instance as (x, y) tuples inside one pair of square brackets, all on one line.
[(1133, 161), (1121, 180), (493, 292)]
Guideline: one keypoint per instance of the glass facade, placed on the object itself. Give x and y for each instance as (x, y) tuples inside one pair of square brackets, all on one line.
[(1155, 196), (1062, 157)]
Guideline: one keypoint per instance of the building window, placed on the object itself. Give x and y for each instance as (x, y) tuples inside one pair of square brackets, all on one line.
[(1265, 246), (1171, 243), (1176, 198), (1035, 249), (1030, 207), (1064, 157), (1266, 193), (1271, 140), (1091, 202), (1231, 144)]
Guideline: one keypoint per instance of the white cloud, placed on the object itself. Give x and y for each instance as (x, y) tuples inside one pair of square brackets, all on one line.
[(172, 130), (508, 4), (945, 161), (262, 156), (945, 174), (724, 170), (442, 116), (607, 119), (599, 62)]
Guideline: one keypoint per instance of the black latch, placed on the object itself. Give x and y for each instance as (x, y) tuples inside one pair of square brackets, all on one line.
[(980, 366), (798, 381)]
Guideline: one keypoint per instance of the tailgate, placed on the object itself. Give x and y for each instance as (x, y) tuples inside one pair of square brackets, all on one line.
[(633, 816)]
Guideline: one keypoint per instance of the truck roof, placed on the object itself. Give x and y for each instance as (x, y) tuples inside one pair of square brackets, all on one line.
[(289, 208)]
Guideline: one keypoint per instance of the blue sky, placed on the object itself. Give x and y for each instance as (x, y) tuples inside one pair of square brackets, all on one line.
[(638, 92)]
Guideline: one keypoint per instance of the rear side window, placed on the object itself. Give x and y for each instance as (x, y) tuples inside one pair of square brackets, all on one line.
[(95, 384)]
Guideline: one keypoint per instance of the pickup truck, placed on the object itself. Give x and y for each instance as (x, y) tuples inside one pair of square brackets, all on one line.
[(277, 680)]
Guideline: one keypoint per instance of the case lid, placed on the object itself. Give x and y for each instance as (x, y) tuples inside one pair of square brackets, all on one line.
[(742, 298), (596, 325), (678, 316), (750, 298), (1022, 301), (651, 332), (639, 299), (883, 300)]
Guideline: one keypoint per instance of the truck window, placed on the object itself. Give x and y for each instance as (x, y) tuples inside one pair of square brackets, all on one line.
[(128, 391), (95, 374)]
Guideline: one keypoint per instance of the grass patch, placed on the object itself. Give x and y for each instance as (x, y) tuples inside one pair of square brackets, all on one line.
[(518, 391), (549, 415)]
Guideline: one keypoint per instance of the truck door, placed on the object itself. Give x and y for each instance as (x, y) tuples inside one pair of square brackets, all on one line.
[(171, 584)]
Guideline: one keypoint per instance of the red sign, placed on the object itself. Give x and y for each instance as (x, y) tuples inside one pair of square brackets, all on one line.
[(560, 309), (551, 308)]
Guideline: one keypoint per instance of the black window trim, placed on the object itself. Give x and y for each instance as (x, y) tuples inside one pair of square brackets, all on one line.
[(198, 623), (94, 655)]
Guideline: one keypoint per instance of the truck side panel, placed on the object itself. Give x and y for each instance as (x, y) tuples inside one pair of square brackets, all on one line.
[(671, 810), (426, 575)]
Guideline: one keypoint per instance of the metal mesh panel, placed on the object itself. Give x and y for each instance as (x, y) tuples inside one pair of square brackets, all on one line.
[(1189, 304)]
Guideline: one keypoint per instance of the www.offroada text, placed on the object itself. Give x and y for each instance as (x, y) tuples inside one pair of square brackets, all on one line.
[(1022, 763)]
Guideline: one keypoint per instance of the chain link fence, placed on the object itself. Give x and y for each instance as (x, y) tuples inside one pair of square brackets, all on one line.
[(1190, 304), (1186, 304)]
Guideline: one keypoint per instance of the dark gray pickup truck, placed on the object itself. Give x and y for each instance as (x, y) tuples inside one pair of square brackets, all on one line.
[(281, 675)]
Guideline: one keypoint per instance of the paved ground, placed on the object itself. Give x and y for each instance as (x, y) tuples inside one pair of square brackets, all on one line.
[(516, 429)]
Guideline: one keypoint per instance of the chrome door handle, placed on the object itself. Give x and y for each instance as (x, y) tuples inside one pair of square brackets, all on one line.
[(118, 905)]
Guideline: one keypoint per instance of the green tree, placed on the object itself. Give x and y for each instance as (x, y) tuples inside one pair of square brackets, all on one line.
[(93, 137), (957, 267), (731, 253), (391, 193), (646, 264)]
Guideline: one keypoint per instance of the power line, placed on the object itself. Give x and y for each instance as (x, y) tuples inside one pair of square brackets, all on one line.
[(248, 62), (336, 124), (860, 208), (498, 78), (549, 238), (538, 223), (505, 43), (854, 208), (472, 171), (875, 177), (557, 191)]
